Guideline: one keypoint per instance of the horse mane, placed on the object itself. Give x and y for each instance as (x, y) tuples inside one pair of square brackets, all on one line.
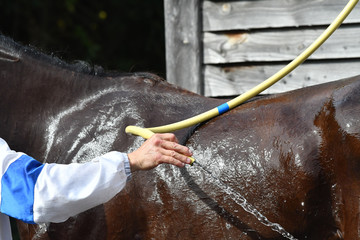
[(11, 50)]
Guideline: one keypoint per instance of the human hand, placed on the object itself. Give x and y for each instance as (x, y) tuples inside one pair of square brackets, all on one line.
[(160, 148)]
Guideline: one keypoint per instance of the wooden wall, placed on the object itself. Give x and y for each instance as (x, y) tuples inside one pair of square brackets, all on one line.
[(219, 48)]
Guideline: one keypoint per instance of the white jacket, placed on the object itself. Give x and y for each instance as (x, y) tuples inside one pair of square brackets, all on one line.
[(38, 193)]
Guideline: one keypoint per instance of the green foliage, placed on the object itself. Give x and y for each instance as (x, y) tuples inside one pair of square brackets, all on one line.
[(126, 35)]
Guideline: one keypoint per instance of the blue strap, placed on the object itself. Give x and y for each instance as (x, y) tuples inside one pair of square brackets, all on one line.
[(223, 108), (17, 188)]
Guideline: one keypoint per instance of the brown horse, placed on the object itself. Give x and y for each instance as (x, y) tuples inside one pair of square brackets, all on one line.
[(294, 157)]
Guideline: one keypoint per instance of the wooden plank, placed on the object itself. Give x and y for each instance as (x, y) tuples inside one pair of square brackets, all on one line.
[(221, 16), (230, 81), (183, 44), (279, 45)]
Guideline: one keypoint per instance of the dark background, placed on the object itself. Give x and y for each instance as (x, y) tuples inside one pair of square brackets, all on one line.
[(121, 35)]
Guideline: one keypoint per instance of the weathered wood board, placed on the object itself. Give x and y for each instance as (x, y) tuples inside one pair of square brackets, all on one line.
[(222, 48), (234, 15), (234, 80), (279, 45), (183, 44)]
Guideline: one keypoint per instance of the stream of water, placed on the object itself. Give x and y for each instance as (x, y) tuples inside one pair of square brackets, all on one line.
[(240, 200)]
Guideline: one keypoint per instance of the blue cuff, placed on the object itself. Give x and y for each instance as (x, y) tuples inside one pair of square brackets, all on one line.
[(17, 188), (127, 167)]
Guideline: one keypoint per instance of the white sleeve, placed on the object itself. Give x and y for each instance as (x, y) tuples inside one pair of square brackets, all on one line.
[(62, 191)]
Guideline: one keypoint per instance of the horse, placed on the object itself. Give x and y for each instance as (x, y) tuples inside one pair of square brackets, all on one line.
[(286, 161)]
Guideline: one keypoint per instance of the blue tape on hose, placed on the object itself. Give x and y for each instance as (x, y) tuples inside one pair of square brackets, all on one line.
[(223, 108)]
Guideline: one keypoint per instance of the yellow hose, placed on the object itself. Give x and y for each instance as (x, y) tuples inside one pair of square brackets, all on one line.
[(254, 91)]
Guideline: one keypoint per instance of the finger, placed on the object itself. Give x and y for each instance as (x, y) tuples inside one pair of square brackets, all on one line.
[(172, 160), (175, 155), (168, 136), (176, 147)]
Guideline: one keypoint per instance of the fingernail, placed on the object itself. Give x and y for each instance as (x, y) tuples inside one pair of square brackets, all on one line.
[(188, 160)]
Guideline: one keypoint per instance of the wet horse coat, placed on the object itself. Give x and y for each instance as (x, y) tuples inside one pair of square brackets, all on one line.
[(293, 156)]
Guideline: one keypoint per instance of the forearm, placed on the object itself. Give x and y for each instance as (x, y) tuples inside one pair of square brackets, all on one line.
[(63, 191), (35, 192)]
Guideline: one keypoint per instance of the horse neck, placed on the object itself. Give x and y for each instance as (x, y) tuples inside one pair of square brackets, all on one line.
[(31, 91)]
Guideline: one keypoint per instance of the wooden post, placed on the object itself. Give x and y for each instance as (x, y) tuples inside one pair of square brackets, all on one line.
[(183, 44)]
